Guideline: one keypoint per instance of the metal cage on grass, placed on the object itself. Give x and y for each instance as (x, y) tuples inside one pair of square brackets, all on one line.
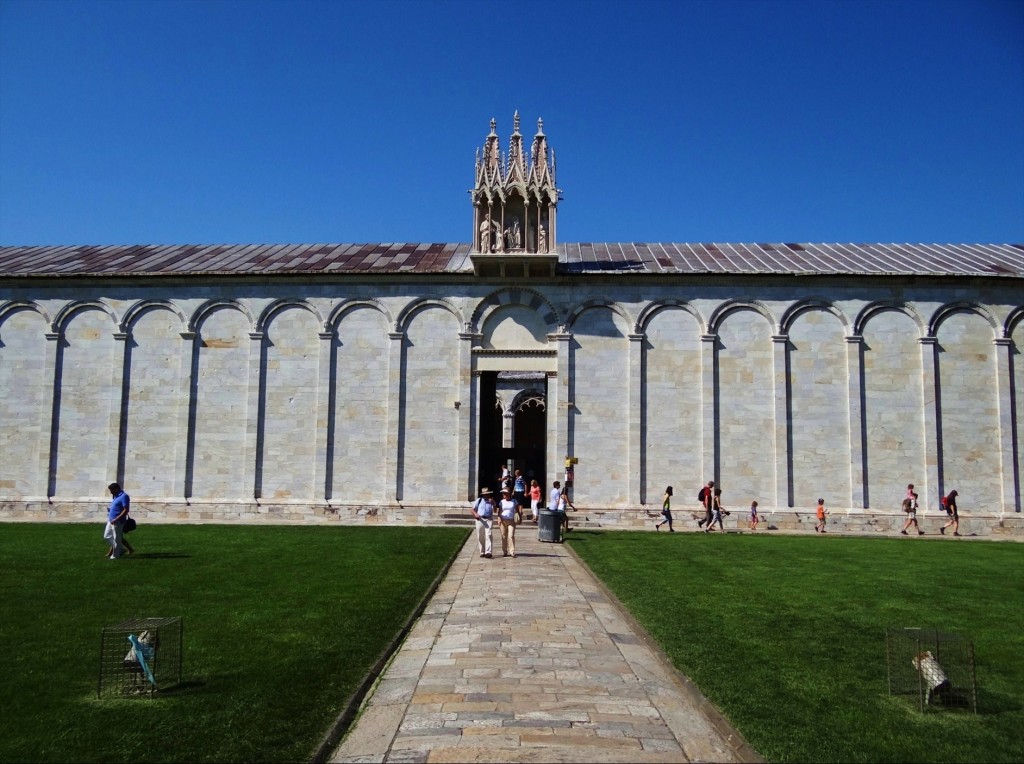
[(934, 670), (140, 656)]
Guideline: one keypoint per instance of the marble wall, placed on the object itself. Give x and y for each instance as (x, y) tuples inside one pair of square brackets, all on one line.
[(247, 399)]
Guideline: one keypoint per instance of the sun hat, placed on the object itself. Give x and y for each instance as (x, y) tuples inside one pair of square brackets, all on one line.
[(506, 489), (485, 491)]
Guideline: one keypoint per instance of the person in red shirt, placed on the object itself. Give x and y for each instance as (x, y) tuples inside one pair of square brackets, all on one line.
[(949, 504)]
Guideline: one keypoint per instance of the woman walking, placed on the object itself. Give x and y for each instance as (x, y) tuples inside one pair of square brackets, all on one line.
[(754, 519), (535, 499), (509, 512), (666, 511)]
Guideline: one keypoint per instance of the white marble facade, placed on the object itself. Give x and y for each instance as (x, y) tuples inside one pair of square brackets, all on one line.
[(310, 402)]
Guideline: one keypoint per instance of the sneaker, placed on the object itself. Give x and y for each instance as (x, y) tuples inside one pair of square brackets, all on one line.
[(657, 526), (942, 530), (920, 533), (487, 556), (671, 530), (903, 532), (955, 533)]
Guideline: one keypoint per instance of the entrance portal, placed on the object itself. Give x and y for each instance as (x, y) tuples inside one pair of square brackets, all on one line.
[(513, 425)]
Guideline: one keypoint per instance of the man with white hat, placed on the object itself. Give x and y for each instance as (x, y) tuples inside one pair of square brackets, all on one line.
[(483, 513)]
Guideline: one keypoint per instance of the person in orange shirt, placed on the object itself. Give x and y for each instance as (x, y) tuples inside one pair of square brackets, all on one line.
[(820, 526), (535, 499)]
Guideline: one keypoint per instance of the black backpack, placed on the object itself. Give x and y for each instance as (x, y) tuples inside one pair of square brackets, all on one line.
[(702, 494)]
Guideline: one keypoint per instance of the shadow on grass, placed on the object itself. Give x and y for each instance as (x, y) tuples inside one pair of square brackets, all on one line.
[(159, 556)]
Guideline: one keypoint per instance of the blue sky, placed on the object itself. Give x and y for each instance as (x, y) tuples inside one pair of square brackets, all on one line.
[(302, 122)]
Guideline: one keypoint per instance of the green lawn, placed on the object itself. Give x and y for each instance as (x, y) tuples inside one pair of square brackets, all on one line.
[(281, 624), (786, 635)]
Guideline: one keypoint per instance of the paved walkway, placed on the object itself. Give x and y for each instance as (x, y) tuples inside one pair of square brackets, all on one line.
[(527, 660)]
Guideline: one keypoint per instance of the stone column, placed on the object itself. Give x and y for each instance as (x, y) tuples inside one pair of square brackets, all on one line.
[(392, 489), (709, 404), (323, 470), (932, 412), (560, 409), (1004, 380), (252, 484), (49, 427), (508, 426), (636, 458), (855, 395), (184, 434), (465, 414), (783, 458), (116, 424)]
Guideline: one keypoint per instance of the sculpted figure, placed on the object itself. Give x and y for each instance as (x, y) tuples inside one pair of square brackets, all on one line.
[(485, 235), (542, 239)]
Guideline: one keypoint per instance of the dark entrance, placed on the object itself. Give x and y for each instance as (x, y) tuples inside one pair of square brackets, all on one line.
[(528, 423)]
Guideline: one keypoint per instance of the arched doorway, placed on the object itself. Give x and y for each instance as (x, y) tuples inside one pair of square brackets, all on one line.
[(513, 425)]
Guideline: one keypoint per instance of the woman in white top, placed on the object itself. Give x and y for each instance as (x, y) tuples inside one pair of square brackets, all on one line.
[(509, 512)]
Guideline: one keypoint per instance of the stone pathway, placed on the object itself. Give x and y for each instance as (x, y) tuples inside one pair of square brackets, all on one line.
[(527, 660)]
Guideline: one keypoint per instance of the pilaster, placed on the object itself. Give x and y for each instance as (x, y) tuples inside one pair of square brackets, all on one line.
[(783, 457), (560, 408), (185, 417), (392, 487), (465, 414), (116, 424), (636, 487), (931, 404), (709, 408), (855, 397), (49, 426), (1007, 452), (252, 483), (323, 469)]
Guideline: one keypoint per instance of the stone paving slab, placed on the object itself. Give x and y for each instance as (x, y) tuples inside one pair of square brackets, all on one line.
[(527, 659)]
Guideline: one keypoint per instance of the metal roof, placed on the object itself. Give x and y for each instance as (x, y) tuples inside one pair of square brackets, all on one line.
[(1006, 260)]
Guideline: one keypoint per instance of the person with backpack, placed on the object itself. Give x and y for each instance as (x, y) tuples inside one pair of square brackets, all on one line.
[(716, 512), (910, 507), (666, 511), (706, 498), (949, 504), (483, 514)]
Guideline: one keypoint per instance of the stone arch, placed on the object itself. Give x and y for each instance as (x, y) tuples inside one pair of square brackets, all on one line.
[(17, 305), (881, 306), (65, 313), (945, 311), (143, 306), (211, 305), (731, 306), (802, 306), (522, 296), (402, 322), (1015, 317), (525, 396), (650, 311), (339, 311), (597, 302), (285, 302)]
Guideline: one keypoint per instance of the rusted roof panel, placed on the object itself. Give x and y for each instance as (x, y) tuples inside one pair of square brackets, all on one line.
[(606, 258)]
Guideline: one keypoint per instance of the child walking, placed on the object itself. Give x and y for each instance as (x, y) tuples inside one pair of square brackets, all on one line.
[(666, 511), (820, 525)]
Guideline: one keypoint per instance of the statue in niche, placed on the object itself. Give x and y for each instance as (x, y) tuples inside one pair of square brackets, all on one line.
[(542, 239), (485, 235), (513, 237)]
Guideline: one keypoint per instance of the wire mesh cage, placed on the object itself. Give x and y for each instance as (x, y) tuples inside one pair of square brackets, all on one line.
[(139, 657), (934, 670)]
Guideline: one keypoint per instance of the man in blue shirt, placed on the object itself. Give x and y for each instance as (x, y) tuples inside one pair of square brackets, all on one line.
[(117, 513)]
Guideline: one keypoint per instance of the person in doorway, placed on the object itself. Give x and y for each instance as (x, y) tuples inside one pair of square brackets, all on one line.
[(117, 513), (535, 499), (949, 504), (910, 507), (706, 498), (483, 514), (754, 519), (666, 511), (509, 513), (505, 479), (519, 489), (821, 511)]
